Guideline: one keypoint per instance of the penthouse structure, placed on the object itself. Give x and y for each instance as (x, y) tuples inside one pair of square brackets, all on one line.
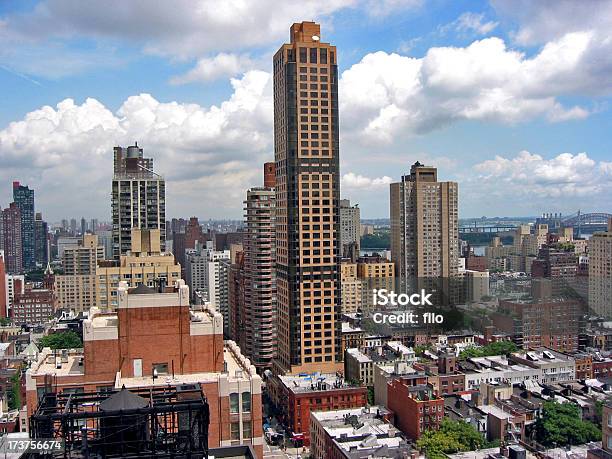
[(154, 340), (144, 264)]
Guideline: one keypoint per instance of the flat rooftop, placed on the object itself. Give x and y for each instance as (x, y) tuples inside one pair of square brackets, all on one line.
[(315, 382), (58, 365)]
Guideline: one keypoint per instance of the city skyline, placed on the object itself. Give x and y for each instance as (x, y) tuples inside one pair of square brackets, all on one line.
[(203, 106)]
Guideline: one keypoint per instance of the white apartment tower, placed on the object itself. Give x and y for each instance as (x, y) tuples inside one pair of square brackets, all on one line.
[(138, 198)]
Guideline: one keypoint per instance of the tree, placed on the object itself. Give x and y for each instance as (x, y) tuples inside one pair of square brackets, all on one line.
[(61, 340), (561, 424), (496, 348), (14, 396), (4, 321), (452, 437)]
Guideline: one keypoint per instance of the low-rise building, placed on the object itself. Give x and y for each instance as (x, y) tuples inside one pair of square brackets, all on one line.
[(34, 306), (416, 408), (154, 340), (554, 366), (355, 433), (299, 395)]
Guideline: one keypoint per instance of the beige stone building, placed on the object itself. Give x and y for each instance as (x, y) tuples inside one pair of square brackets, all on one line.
[(424, 229), (143, 264), (352, 288), (600, 272), (75, 289)]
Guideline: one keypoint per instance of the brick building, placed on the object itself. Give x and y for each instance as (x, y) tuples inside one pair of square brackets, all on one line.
[(154, 340), (548, 322), (34, 306), (417, 408), (298, 395)]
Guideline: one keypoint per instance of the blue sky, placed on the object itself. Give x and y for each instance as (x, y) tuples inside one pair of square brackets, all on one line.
[(510, 98)]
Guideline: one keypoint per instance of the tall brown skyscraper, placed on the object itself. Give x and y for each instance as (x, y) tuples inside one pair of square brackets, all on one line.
[(307, 200), (424, 229)]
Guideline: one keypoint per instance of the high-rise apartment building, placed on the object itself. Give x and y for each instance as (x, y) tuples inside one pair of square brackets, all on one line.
[(144, 264), (3, 295), (11, 241), (306, 145), (41, 240), (424, 228), (24, 199), (138, 198), (350, 230), (258, 311), (75, 289), (600, 272)]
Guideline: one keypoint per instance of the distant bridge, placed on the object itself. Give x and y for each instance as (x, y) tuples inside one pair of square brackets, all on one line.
[(583, 223), (495, 228)]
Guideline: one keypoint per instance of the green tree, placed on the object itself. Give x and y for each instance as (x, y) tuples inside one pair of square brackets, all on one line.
[(561, 424), (376, 241), (4, 321), (61, 340), (496, 348), (452, 437), (14, 396)]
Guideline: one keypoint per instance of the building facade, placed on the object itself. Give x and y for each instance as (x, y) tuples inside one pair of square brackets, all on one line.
[(154, 340), (424, 229), (350, 229), (138, 198), (306, 152), (76, 287), (143, 264), (24, 199), (258, 318), (600, 273), (11, 241)]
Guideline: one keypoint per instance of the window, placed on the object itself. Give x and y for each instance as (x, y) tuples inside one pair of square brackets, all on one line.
[(235, 430), (234, 402), (323, 56), (162, 368), (246, 402), (303, 55), (247, 429), (313, 55)]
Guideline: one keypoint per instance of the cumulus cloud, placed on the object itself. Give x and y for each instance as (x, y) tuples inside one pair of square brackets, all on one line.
[(216, 151), (474, 22), (352, 181), (213, 68), (389, 94), (548, 20), (566, 175)]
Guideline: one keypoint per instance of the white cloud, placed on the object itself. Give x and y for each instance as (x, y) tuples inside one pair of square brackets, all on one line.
[(474, 22), (352, 181), (385, 95), (547, 20), (213, 68), (527, 174), (66, 152)]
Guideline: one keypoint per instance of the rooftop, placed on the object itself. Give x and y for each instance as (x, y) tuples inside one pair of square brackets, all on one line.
[(315, 382)]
